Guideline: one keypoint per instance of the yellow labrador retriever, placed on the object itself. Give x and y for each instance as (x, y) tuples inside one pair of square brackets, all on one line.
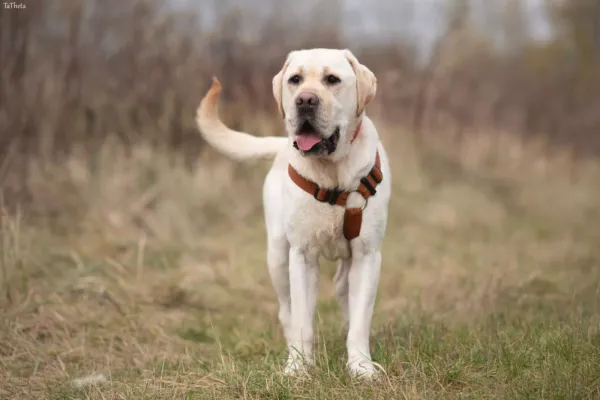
[(326, 194)]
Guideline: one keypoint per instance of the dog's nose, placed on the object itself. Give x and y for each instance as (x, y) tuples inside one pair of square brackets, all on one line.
[(307, 100)]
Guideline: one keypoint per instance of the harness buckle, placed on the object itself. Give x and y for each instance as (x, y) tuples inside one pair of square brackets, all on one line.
[(368, 185), (331, 196)]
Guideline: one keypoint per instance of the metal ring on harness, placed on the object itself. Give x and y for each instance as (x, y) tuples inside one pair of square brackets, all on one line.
[(366, 199), (366, 202)]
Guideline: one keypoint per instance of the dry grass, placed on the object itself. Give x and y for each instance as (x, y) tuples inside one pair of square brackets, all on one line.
[(150, 279)]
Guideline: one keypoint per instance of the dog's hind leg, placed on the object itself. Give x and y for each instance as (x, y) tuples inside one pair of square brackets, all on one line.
[(341, 288)]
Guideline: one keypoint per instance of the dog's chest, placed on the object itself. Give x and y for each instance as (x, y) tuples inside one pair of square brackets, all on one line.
[(319, 227)]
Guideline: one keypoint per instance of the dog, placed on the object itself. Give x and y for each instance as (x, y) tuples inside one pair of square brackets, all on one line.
[(326, 194)]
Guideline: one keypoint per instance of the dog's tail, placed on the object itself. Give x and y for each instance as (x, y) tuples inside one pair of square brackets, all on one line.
[(234, 144)]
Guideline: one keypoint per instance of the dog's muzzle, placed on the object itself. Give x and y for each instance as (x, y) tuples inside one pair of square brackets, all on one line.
[(307, 104)]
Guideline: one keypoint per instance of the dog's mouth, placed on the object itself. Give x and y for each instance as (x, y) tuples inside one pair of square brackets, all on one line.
[(309, 140)]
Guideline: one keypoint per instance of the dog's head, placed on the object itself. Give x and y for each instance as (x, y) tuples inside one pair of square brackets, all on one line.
[(322, 94)]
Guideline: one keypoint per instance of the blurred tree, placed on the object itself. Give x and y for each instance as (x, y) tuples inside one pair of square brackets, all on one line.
[(457, 14), (515, 28), (577, 24)]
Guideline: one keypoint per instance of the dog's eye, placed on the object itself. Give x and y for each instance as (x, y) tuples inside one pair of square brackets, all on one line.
[(294, 79), (332, 79)]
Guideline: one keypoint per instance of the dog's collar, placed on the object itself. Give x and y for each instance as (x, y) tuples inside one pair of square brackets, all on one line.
[(352, 216), (356, 132)]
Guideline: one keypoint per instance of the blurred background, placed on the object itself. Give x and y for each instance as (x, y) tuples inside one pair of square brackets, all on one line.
[(119, 223), (75, 72)]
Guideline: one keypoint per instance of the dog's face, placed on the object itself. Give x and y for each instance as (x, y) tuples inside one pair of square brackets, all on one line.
[(321, 94)]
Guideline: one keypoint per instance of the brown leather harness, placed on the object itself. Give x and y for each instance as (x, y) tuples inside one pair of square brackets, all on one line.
[(366, 188)]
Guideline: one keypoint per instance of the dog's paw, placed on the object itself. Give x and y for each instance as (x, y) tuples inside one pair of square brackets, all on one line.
[(293, 368), (362, 368), (296, 365)]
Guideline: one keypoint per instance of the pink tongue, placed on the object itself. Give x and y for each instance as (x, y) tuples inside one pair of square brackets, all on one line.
[(306, 142)]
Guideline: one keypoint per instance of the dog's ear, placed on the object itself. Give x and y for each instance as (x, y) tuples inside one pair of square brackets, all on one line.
[(278, 86), (366, 83)]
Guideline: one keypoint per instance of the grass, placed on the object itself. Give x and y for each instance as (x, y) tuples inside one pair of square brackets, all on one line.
[(152, 274)]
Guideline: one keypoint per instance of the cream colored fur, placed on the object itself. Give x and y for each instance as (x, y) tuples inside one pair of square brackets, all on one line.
[(300, 229)]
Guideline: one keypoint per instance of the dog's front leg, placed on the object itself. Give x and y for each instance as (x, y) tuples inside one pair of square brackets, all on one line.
[(304, 274), (363, 280)]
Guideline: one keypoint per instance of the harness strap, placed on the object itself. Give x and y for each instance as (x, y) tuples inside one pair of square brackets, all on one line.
[(352, 216)]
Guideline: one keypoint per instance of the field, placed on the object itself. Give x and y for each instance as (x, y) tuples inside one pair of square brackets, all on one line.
[(131, 275)]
